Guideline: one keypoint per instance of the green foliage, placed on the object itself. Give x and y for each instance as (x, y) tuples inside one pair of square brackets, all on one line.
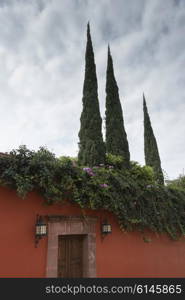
[(178, 183), (115, 160), (152, 157), (67, 161), (91, 145), (116, 137), (131, 194), (143, 173)]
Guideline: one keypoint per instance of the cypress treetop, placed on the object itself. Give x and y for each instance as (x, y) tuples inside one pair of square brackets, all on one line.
[(91, 145), (116, 137), (152, 157)]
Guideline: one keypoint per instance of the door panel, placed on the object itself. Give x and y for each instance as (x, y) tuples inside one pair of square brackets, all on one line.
[(70, 256)]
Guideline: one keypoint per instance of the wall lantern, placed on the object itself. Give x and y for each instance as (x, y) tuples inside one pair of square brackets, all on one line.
[(40, 229), (106, 228)]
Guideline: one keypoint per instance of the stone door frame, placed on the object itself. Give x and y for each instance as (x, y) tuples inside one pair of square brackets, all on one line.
[(71, 225)]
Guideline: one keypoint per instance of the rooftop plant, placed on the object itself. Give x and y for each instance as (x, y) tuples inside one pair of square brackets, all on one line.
[(131, 194)]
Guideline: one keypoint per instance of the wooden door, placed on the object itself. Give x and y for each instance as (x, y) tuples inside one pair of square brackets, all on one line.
[(70, 256)]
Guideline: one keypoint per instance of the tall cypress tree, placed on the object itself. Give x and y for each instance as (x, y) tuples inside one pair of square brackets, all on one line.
[(91, 145), (116, 137), (152, 157)]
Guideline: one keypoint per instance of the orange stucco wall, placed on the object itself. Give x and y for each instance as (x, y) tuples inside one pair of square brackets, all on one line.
[(117, 255)]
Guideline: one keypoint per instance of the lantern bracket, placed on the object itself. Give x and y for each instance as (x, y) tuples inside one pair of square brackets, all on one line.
[(106, 228), (40, 229)]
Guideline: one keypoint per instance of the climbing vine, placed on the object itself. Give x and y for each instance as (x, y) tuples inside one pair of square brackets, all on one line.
[(131, 194)]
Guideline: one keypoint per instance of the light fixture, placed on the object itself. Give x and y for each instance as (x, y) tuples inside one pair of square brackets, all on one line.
[(40, 229), (106, 228)]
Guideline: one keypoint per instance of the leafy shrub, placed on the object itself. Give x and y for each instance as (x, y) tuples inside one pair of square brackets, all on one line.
[(131, 194), (178, 183)]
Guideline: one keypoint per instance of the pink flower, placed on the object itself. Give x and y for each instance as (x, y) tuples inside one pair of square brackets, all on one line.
[(104, 185), (89, 171)]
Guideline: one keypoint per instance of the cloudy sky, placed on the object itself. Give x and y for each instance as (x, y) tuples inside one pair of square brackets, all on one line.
[(42, 48)]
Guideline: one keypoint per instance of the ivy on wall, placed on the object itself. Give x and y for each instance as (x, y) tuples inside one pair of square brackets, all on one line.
[(131, 194)]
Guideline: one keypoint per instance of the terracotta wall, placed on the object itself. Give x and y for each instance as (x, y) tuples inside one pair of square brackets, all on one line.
[(117, 255)]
